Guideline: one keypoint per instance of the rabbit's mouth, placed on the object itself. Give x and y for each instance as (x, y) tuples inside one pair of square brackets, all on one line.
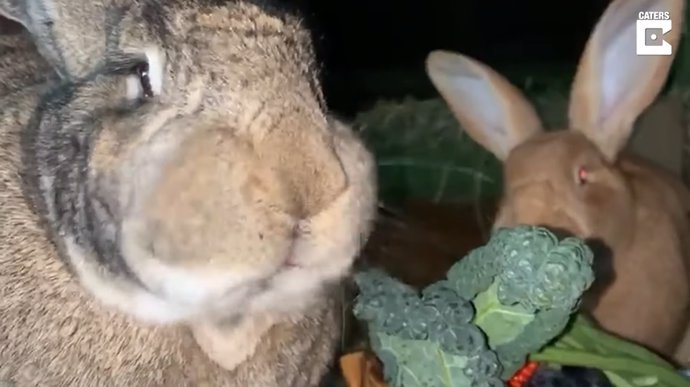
[(291, 262)]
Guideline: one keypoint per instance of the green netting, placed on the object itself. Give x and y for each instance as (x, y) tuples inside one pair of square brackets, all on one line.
[(423, 152)]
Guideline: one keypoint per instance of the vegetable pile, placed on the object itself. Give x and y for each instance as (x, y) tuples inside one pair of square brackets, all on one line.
[(503, 304)]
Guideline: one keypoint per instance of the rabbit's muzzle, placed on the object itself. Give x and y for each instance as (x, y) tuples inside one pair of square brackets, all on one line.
[(227, 212), (539, 203)]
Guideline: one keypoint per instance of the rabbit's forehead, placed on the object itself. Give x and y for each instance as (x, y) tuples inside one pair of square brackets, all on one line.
[(552, 156), (554, 145)]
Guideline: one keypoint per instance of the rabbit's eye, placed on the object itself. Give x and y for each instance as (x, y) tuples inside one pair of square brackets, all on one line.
[(143, 73), (582, 176)]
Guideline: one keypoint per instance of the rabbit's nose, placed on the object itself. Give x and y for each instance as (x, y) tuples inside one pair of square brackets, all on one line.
[(308, 168)]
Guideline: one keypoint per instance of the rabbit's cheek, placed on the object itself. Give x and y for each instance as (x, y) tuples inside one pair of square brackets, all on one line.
[(617, 204), (504, 216), (203, 284), (208, 226), (540, 205)]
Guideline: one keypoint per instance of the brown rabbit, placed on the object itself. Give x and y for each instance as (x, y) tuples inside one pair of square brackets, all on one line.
[(581, 181), (193, 179)]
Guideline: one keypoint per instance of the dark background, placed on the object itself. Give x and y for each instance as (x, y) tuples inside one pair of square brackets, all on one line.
[(376, 48), (371, 49)]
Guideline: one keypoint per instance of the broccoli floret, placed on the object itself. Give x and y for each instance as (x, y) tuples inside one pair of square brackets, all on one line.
[(524, 285), (427, 340), (498, 304)]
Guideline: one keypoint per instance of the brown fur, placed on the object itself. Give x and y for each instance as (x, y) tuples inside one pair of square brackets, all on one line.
[(195, 238), (637, 210), (419, 240)]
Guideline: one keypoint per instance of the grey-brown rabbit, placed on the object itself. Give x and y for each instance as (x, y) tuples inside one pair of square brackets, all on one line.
[(192, 179)]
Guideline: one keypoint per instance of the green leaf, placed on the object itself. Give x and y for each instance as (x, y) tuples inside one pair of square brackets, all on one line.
[(609, 344), (624, 367), (421, 363), (617, 380), (645, 381), (502, 324)]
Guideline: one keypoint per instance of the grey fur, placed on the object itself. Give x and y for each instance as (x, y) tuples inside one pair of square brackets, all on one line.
[(19, 65)]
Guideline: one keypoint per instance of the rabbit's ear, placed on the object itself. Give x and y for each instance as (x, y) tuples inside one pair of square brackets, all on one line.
[(35, 17), (15, 10), (613, 84), (492, 111), (59, 31)]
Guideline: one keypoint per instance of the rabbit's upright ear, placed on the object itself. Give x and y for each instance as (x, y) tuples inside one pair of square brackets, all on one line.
[(614, 84), (492, 111)]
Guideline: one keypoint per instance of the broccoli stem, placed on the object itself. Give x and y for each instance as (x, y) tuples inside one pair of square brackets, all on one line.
[(442, 359), (606, 363)]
